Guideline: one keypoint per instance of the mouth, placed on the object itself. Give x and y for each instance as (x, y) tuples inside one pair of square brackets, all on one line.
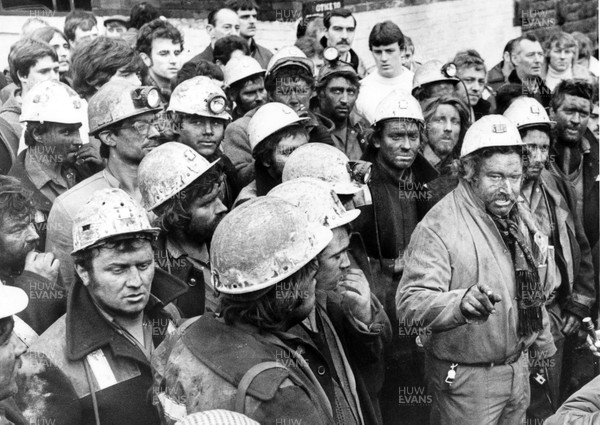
[(135, 298)]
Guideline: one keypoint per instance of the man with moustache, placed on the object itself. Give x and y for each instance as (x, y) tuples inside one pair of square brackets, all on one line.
[(121, 115), (528, 58), (12, 301), (340, 29), (245, 85), (199, 118), (93, 365), (21, 265), (553, 205), (247, 11), (159, 44), (471, 285), (184, 191)]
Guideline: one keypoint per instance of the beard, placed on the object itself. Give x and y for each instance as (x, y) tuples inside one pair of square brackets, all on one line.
[(202, 231)]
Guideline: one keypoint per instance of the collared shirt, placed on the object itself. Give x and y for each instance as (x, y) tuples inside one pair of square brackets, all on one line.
[(49, 182)]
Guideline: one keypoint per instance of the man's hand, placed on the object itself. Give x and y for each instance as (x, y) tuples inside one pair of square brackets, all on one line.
[(89, 156), (478, 302), (572, 324), (593, 348), (43, 264), (356, 295)]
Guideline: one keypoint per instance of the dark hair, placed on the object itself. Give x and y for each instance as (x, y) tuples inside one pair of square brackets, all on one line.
[(510, 46), (263, 152), (233, 91), (376, 133), (46, 34), (79, 19), (32, 128), (269, 310), (212, 15), (95, 61), (505, 95), (469, 59), (141, 14), (174, 214), (579, 88), (528, 36), (225, 46), (288, 72), (24, 54), (124, 245), (469, 166), (340, 13), (158, 28), (15, 199), (465, 117), (236, 5), (384, 33), (351, 77), (195, 69)]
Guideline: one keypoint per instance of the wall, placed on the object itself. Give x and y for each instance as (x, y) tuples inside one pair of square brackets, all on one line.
[(438, 30)]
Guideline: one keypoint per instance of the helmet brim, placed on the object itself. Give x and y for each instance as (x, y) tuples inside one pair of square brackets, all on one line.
[(13, 301)]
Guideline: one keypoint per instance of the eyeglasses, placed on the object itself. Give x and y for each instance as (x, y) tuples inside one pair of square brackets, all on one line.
[(142, 127)]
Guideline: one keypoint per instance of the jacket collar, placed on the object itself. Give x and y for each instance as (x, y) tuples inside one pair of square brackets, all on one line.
[(88, 330)]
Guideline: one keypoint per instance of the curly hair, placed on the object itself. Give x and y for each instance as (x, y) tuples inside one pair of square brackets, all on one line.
[(577, 88), (158, 28), (270, 309), (263, 152), (225, 46), (174, 214), (195, 69), (468, 167), (465, 119)]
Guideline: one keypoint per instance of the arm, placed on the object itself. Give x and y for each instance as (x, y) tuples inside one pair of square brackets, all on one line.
[(582, 408), (423, 295), (236, 146), (59, 240)]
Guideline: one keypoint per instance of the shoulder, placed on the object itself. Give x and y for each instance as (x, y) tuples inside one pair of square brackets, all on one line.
[(81, 192)]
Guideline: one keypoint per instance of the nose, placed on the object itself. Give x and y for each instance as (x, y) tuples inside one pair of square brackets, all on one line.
[(153, 132), (207, 127), (20, 347), (576, 118), (405, 143), (54, 74), (220, 208), (448, 126), (32, 234), (344, 98), (134, 278), (345, 261)]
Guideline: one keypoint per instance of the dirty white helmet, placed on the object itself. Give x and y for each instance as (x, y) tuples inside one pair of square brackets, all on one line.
[(13, 300), (199, 96), (241, 67), (432, 72), (109, 213), (323, 162), (118, 100), (217, 417), (398, 104), (269, 119), (167, 170), (53, 101), (489, 131), (317, 200), (262, 242), (527, 112), (288, 56)]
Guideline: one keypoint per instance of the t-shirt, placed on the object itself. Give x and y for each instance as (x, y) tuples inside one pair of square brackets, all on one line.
[(374, 88)]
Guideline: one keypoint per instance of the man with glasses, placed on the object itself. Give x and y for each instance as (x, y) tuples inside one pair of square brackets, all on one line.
[(121, 114)]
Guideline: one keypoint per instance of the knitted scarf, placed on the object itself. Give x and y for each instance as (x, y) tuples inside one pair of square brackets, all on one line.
[(530, 297)]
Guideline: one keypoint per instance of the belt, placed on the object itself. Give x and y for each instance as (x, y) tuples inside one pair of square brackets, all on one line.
[(508, 360)]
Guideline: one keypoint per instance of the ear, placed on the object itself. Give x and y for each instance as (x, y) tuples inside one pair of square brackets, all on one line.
[(83, 274), (22, 79), (37, 136), (211, 31), (108, 138), (146, 59), (376, 142)]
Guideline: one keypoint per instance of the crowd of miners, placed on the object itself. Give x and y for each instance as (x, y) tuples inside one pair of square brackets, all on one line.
[(289, 237)]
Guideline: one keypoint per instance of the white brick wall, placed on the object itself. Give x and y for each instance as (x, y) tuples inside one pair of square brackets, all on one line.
[(438, 30)]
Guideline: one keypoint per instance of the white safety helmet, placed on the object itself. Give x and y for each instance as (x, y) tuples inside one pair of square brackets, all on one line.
[(199, 96), (261, 243), (489, 131), (269, 119), (13, 300), (288, 56), (241, 67), (53, 101), (317, 200), (109, 213), (434, 71), (167, 170), (398, 104), (217, 417), (527, 112), (323, 162)]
